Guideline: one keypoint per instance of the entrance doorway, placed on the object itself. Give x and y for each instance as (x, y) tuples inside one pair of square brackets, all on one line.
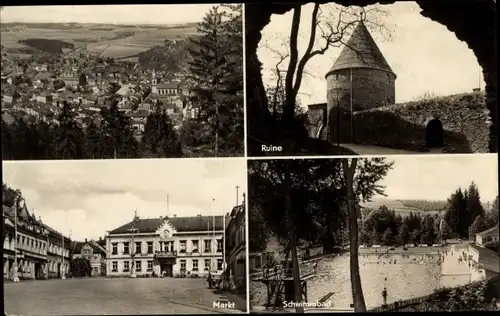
[(167, 269), (58, 270), (434, 134), (38, 271)]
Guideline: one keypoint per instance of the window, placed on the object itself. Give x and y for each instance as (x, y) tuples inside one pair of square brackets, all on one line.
[(208, 244), (195, 246), (207, 264), (114, 250), (183, 246), (150, 265), (138, 247), (126, 249), (183, 265), (138, 266), (219, 264), (150, 247), (219, 245), (126, 266), (115, 266), (388, 78), (195, 264)]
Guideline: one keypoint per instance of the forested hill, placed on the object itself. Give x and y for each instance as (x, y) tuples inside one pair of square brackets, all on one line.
[(47, 45), (433, 206), (426, 206), (172, 56)]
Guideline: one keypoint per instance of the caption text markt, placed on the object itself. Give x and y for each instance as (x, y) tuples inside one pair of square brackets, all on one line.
[(224, 305)]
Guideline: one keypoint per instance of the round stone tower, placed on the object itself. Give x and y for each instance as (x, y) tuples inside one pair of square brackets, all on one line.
[(360, 79)]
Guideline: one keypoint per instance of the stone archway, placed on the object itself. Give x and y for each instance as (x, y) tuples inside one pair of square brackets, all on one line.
[(471, 21), (434, 134)]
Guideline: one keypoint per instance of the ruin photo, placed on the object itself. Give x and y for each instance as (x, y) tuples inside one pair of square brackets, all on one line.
[(99, 82), (378, 79)]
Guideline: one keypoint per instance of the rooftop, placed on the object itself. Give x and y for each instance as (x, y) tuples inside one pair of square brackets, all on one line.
[(181, 224), (361, 51), (489, 232)]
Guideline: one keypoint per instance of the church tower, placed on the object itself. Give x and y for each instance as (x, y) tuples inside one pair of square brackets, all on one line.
[(154, 82), (360, 79)]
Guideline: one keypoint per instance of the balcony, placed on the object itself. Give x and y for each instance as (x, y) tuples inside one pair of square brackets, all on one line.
[(166, 254)]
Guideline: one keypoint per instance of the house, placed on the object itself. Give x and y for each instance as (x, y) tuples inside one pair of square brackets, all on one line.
[(94, 252), (166, 246), (487, 235), (236, 246)]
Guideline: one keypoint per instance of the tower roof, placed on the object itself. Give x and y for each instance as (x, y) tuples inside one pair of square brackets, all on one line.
[(361, 51)]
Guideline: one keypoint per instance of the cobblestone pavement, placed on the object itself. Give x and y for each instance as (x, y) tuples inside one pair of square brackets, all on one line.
[(103, 296)]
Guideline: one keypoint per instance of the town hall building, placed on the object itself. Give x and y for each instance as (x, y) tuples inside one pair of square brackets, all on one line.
[(166, 246)]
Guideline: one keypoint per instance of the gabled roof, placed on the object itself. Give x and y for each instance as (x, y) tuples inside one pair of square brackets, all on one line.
[(361, 51), (77, 247), (196, 223), (143, 225), (489, 232), (181, 224)]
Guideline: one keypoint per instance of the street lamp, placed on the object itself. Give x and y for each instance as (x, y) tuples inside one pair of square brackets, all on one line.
[(133, 230)]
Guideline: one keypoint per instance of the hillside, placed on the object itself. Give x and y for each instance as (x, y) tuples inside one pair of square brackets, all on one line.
[(405, 207), (172, 56)]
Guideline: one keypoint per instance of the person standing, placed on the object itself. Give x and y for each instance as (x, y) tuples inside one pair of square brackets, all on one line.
[(384, 295)]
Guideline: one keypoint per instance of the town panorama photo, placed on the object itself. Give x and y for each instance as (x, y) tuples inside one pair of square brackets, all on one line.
[(110, 82)]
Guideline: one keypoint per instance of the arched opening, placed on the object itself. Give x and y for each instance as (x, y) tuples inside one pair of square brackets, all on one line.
[(434, 134)]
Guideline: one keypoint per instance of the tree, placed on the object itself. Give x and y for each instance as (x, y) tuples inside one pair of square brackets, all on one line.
[(478, 225), (387, 237), (456, 214), (92, 144), (80, 267), (493, 214), (9, 195), (258, 233), (473, 203), (357, 290), (68, 136), (404, 234), (82, 80), (427, 234), (216, 70), (160, 138), (117, 134)]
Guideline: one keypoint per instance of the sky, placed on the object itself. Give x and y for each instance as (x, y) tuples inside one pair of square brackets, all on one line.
[(113, 14), (87, 198), (436, 177), (426, 57)]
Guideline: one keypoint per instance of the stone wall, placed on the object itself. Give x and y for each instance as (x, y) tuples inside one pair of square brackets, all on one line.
[(370, 88), (465, 121)]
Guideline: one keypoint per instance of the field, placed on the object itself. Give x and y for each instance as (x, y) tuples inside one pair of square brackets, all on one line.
[(100, 39)]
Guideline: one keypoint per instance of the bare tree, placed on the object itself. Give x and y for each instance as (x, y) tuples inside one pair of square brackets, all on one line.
[(327, 30)]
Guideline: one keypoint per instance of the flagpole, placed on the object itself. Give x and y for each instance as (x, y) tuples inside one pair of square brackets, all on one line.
[(352, 116), (15, 276)]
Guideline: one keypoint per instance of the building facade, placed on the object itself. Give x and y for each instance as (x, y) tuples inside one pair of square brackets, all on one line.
[(167, 246), (94, 252), (236, 246), (42, 252)]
